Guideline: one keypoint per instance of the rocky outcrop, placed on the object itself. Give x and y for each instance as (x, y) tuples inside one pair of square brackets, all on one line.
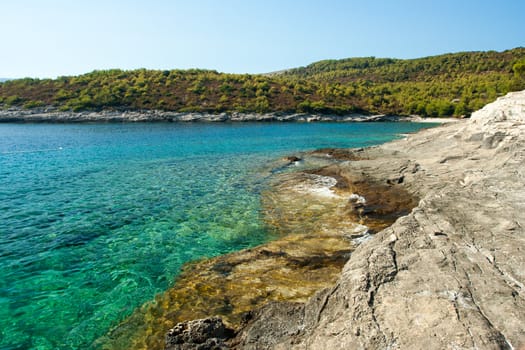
[(315, 218), (451, 274), (54, 115)]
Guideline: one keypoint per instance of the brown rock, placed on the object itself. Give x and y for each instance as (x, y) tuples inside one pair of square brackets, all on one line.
[(205, 334), (340, 154), (293, 159)]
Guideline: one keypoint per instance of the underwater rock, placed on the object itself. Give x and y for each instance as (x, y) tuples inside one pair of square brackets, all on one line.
[(316, 233)]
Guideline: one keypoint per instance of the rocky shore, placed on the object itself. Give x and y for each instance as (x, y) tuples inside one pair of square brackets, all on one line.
[(449, 275), (316, 221), (53, 115)]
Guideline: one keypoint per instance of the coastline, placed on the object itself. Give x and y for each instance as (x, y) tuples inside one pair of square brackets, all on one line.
[(447, 275), (304, 210), (53, 115), (158, 195)]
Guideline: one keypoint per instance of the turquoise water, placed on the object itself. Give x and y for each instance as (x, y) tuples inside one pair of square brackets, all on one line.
[(95, 219)]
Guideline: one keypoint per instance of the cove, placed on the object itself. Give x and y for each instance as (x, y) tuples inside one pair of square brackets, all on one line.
[(97, 219)]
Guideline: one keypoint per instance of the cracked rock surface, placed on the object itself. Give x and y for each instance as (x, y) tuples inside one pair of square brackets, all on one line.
[(451, 274)]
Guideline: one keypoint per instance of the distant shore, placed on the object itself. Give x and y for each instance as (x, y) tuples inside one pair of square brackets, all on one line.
[(54, 115)]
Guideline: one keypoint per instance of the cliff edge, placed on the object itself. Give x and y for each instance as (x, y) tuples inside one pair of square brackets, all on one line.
[(451, 274)]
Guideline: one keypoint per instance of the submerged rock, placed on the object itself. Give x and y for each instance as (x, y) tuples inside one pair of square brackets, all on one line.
[(316, 233), (308, 256)]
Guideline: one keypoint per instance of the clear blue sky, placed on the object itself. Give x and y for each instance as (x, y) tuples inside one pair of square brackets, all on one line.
[(48, 38)]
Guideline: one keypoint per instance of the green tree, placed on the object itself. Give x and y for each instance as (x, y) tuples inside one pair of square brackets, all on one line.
[(13, 100), (519, 69)]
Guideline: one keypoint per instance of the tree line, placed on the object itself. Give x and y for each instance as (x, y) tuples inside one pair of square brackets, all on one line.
[(445, 85)]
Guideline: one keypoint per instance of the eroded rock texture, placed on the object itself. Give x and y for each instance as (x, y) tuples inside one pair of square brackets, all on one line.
[(451, 274)]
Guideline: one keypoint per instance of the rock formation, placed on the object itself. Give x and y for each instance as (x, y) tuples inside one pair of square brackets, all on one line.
[(451, 273)]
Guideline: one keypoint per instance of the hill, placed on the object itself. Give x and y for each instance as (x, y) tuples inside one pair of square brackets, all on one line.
[(444, 85)]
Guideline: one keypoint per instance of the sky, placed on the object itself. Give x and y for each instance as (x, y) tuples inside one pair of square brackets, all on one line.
[(50, 38)]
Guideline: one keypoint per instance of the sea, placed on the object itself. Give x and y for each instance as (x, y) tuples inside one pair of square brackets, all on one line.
[(96, 219)]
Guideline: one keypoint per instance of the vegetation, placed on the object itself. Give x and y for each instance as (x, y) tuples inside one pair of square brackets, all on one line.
[(445, 85)]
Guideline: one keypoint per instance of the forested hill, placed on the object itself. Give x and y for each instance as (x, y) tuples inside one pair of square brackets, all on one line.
[(381, 70), (445, 85)]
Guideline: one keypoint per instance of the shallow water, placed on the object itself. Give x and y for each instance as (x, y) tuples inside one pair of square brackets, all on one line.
[(95, 219)]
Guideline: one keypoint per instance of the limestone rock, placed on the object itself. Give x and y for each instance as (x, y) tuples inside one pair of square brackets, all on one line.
[(450, 274)]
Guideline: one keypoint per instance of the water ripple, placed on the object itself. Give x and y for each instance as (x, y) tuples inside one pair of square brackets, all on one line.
[(97, 219)]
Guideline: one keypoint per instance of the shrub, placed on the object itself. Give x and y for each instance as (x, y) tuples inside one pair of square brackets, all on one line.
[(34, 104), (13, 100)]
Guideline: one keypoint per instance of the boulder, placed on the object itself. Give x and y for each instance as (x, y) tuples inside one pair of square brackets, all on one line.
[(203, 334)]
